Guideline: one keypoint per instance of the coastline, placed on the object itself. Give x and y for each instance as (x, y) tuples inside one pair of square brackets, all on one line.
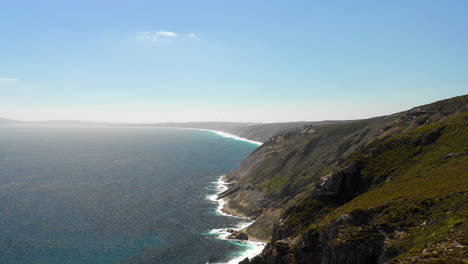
[(222, 133), (252, 248)]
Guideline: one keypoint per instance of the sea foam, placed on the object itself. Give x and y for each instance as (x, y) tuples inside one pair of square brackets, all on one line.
[(250, 248), (223, 134), (227, 135)]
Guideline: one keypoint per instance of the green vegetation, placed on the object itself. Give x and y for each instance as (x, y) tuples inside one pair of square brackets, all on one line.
[(276, 184), (295, 160), (420, 190), (416, 172), (306, 212), (396, 188)]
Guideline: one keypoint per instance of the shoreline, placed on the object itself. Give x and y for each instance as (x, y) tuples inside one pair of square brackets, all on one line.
[(252, 248), (222, 133)]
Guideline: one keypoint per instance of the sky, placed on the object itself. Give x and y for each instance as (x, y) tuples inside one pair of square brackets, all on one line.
[(220, 60)]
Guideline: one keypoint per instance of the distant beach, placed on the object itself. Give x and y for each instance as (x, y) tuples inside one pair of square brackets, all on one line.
[(223, 134)]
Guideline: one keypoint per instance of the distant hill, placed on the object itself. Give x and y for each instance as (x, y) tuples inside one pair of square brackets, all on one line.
[(72, 122), (262, 132), (8, 121), (53, 122), (220, 126), (252, 131)]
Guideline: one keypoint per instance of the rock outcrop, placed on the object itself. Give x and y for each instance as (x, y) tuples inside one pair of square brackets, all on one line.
[(238, 235)]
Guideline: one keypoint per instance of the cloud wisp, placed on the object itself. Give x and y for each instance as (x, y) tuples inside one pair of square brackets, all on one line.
[(163, 36), (4, 79)]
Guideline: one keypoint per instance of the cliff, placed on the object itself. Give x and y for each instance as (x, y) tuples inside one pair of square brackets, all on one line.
[(389, 189)]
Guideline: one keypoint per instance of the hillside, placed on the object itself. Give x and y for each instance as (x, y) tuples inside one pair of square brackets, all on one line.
[(390, 189), (263, 132), (252, 131)]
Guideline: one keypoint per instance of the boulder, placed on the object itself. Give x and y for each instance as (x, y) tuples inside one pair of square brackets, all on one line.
[(239, 236)]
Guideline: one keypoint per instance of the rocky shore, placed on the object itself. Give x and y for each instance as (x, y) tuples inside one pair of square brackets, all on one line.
[(252, 246)]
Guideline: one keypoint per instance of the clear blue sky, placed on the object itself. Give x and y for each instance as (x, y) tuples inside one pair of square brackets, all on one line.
[(249, 60)]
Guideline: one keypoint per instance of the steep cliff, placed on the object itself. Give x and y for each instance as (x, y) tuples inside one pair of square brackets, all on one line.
[(384, 190)]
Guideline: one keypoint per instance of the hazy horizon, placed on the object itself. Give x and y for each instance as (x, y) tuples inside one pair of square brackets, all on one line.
[(114, 115)]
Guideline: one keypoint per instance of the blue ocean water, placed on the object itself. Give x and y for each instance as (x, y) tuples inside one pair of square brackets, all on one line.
[(97, 194)]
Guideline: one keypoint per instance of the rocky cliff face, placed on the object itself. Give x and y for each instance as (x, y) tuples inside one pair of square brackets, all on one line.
[(385, 190)]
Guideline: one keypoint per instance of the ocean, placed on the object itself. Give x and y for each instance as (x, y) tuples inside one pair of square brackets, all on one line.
[(102, 194)]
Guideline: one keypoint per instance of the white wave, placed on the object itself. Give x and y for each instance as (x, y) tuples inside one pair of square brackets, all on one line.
[(251, 249), (223, 134), (220, 186), (227, 135)]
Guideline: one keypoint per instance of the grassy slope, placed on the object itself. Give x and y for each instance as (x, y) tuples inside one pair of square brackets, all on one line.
[(412, 183), (423, 195), (292, 161)]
